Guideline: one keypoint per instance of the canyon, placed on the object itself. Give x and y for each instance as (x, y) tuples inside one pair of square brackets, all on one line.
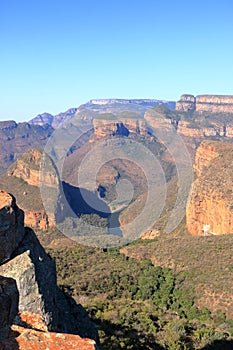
[(35, 312)]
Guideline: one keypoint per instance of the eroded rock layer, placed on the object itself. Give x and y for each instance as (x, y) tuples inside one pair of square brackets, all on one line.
[(206, 103)]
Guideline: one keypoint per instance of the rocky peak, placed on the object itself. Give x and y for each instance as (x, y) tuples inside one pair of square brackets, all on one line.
[(53, 120), (42, 119)]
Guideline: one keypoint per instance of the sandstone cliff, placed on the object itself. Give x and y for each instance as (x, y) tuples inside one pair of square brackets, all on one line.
[(124, 124), (192, 125), (23, 179), (210, 206), (31, 303), (206, 103)]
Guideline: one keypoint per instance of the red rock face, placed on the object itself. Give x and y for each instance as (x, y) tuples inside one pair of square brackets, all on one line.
[(210, 206), (40, 220), (20, 338), (30, 334), (27, 168), (204, 155)]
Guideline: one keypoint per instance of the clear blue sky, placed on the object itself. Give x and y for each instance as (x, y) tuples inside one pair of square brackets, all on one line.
[(60, 54)]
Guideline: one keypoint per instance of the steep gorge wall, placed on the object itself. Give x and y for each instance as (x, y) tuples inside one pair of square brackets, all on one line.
[(210, 206)]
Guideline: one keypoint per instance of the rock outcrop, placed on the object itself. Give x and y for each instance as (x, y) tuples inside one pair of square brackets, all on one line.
[(21, 338), (31, 305), (206, 103), (107, 125), (24, 179), (186, 103), (28, 168), (210, 206), (35, 275)]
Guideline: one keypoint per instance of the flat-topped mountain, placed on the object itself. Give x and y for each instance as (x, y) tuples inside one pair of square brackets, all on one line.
[(141, 102), (206, 103)]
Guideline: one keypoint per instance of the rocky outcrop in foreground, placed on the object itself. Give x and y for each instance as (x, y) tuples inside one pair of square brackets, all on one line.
[(210, 207), (31, 305)]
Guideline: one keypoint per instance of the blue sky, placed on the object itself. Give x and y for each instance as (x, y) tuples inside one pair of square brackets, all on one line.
[(60, 54)]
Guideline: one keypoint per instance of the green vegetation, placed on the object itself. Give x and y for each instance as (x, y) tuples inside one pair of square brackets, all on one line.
[(135, 304)]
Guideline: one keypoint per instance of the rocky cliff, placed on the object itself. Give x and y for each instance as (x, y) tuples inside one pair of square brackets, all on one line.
[(23, 180), (193, 126), (206, 103), (30, 300), (108, 124), (210, 206)]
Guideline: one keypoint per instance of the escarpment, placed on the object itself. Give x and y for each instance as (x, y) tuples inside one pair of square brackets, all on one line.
[(210, 206), (31, 304), (206, 103)]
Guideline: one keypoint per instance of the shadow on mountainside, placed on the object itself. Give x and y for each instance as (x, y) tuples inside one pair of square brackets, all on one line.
[(219, 345), (9, 302), (10, 342), (83, 201)]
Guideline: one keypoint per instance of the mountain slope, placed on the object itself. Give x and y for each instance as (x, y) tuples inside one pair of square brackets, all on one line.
[(16, 139)]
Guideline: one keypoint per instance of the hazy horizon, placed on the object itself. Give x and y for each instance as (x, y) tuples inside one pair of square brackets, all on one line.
[(58, 55)]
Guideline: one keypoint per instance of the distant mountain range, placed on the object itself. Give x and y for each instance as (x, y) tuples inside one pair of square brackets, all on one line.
[(54, 121), (100, 106)]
